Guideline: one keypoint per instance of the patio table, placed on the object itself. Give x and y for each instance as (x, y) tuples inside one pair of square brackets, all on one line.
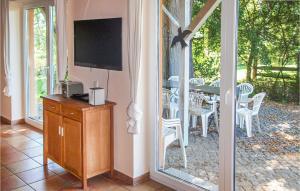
[(203, 88), (207, 89)]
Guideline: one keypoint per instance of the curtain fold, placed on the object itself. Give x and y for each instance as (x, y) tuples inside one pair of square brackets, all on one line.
[(4, 40), (135, 18), (61, 22)]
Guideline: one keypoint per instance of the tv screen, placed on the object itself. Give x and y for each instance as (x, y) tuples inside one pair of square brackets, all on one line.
[(98, 43)]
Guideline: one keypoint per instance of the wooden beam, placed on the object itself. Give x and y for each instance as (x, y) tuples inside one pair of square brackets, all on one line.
[(277, 68), (171, 17), (201, 17)]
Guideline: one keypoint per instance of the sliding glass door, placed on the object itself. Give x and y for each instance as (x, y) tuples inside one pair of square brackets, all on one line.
[(228, 104), (40, 57), (196, 94), (267, 127), (190, 89)]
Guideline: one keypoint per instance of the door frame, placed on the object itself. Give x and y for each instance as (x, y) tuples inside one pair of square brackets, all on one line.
[(229, 26), (49, 34)]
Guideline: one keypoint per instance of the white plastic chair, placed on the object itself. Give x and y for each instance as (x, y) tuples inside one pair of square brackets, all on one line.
[(215, 83), (196, 109), (170, 104), (245, 89), (174, 91), (197, 81), (171, 131), (246, 114), (166, 97), (174, 78)]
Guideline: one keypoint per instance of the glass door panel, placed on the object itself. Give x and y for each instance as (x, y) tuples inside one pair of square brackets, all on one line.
[(190, 94), (37, 61), (53, 49), (40, 53), (267, 130)]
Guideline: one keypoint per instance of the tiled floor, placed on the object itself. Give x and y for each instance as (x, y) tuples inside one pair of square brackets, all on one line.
[(22, 169)]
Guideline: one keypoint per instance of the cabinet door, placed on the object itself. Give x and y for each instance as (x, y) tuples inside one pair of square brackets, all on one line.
[(72, 146), (52, 131)]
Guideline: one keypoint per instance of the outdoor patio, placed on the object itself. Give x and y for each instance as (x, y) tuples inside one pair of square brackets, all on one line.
[(269, 160)]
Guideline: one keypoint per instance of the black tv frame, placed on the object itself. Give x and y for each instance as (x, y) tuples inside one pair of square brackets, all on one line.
[(101, 66)]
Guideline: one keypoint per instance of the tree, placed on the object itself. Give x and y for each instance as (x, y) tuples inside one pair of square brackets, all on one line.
[(268, 35)]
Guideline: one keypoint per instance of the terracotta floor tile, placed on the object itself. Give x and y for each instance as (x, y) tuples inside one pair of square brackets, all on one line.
[(35, 174), (21, 127), (70, 178), (33, 152), (40, 140), (23, 165), (5, 133), (16, 139), (7, 149), (5, 173), (11, 182), (147, 186), (5, 126), (101, 183), (12, 157), (52, 184), (39, 159), (56, 168), (32, 134), (25, 145), (24, 188)]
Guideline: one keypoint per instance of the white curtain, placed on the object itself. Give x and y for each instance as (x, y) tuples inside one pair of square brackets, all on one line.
[(4, 40), (135, 17), (61, 22)]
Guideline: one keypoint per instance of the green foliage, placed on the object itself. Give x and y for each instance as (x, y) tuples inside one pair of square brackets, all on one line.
[(268, 35), (206, 45), (40, 52)]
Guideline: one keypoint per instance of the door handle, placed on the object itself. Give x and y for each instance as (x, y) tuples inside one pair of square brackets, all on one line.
[(59, 130), (62, 131), (227, 94)]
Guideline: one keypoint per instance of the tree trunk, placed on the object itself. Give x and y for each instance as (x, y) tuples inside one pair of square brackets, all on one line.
[(254, 71), (249, 63)]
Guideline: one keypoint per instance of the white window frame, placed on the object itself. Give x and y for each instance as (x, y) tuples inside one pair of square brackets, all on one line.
[(228, 80)]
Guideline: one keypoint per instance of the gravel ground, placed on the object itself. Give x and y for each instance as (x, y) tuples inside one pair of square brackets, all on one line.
[(269, 160)]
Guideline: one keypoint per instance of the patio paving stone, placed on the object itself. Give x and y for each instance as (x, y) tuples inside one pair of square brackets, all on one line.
[(269, 160)]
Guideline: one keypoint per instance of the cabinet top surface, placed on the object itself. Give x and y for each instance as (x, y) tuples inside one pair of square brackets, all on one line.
[(76, 103)]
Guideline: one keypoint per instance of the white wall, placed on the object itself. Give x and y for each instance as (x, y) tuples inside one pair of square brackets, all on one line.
[(119, 90)]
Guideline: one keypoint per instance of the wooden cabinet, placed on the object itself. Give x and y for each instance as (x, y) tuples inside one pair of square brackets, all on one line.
[(53, 126), (78, 136), (72, 147)]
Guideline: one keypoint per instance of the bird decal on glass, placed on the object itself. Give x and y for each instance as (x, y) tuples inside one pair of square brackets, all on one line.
[(180, 38)]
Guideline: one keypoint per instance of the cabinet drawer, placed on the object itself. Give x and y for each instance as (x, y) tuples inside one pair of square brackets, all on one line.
[(71, 113), (51, 106)]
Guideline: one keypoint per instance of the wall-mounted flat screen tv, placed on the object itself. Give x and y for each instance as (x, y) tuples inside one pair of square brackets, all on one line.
[(98, 43)]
